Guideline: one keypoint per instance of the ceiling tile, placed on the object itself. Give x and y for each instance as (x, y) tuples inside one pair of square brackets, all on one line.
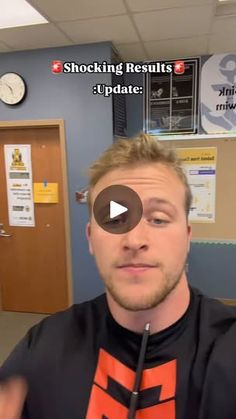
[(118, 29), (174, 23), (79, 9), (177, 48), (4, 48), (226, 8), (141, 6), (225, 24), (222, 43), (132, 52), (36, 36)]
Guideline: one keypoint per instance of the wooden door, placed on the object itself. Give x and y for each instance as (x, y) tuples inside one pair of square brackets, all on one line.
[(33, 260)]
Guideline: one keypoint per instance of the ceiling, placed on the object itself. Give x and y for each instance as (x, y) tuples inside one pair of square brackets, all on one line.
[(139, 29)]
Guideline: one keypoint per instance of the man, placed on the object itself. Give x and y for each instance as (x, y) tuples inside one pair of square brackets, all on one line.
[(151, 347)]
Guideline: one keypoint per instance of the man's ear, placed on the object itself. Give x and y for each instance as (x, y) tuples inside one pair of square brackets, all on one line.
[(88, 235), (189, 227)]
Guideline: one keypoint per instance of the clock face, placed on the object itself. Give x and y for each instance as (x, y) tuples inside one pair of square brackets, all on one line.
[(12, 88)]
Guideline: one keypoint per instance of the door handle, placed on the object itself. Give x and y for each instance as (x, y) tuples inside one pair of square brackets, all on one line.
[(3, 233)]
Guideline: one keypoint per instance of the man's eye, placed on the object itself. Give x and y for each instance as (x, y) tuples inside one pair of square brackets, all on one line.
[(159, 221), (113, 222)]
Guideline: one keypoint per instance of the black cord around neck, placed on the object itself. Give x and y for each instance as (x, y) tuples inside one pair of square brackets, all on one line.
[(138, 376)]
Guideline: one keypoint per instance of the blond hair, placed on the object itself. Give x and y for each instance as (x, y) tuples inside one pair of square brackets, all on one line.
[(143, 149)]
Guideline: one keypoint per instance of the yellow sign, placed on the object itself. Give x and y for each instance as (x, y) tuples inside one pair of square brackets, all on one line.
[(197, 155), (17, 162), (46, 193)]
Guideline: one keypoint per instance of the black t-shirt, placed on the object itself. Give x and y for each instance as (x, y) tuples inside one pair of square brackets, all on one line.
[(80, 363)]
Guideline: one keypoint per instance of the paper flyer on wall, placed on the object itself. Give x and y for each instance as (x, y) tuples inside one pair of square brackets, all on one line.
[(200, 167), (19, 185)]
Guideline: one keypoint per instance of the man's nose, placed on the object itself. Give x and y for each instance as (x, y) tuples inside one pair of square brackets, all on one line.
[(137, 238)]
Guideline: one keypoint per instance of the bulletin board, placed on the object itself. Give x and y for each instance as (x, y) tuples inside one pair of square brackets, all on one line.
[(224, 227)]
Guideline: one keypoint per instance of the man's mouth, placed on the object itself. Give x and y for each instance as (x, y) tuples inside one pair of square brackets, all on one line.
[(135, 268), (136, 265)]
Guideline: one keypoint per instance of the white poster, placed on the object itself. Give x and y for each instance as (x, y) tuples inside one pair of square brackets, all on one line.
[(19, 185), (200, 167), (218, 94)]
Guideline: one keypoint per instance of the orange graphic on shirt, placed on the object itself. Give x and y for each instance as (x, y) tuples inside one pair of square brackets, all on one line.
[(101, 403)]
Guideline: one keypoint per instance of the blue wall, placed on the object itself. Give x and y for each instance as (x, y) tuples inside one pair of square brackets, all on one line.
[(88, 124), (212, 269)]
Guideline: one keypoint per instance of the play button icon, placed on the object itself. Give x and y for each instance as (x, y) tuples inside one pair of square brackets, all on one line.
[(117, 209)]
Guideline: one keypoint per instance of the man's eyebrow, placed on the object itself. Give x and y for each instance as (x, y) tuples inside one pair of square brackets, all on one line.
[(159, 201)]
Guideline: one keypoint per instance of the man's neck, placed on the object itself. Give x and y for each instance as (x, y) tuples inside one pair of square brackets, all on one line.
[(164, 315)]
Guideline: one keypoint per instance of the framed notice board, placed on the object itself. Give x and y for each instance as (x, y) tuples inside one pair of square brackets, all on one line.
[(224, 227), (171, 98)]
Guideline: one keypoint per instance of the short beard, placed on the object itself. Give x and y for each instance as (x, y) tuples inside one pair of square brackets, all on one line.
[(148, 302)]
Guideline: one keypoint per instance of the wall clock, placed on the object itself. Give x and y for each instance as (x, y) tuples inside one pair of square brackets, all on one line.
[(12, 88)]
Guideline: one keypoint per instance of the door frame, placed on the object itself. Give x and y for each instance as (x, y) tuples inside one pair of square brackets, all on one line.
[(60, 124)]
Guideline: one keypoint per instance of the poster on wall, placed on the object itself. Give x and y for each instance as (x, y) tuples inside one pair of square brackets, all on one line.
[(171, 99), (218, 93), (200, 167), (19, 185)]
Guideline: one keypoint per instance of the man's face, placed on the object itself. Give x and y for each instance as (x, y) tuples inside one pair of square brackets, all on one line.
[(161, 239)]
